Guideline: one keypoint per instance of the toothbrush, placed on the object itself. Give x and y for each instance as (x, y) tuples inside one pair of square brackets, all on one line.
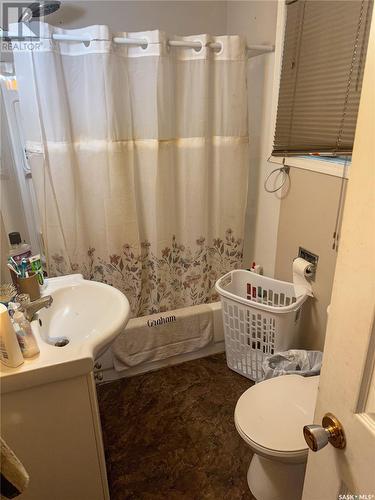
[(12, 264), (36, 267), (24, 273), (13, 269)]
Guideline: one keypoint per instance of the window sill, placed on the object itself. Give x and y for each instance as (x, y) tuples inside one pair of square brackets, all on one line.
[(318, 165)]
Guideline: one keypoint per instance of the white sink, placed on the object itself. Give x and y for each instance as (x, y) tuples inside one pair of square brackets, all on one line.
[(82, 322), (86, 314)]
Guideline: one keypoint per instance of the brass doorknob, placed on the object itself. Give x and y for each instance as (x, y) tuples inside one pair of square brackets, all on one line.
[(331, 431)]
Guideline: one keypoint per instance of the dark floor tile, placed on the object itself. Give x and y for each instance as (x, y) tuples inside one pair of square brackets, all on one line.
[(170, 434)]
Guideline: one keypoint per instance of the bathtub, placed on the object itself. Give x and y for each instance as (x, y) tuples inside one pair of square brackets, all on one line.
[(104, 370)]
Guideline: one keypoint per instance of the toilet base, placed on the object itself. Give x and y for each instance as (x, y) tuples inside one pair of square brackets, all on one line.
[(274, 480)]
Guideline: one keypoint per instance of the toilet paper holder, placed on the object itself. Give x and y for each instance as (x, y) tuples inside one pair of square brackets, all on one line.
[(313, 259)]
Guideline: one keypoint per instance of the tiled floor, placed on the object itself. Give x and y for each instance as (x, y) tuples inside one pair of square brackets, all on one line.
[(170, 434)]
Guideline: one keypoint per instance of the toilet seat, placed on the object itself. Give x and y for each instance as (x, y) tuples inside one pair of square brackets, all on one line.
[(270, 416)]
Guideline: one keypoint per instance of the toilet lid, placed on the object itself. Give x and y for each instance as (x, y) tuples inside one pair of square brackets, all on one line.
[(272, 413)]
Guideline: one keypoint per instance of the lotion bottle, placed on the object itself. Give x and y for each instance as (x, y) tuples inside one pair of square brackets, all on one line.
[(10, 352)]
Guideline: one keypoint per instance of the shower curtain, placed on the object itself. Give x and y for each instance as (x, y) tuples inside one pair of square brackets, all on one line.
[(139, 160)]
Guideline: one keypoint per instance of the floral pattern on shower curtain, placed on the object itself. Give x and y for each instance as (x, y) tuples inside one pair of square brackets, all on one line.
[(139, 161)]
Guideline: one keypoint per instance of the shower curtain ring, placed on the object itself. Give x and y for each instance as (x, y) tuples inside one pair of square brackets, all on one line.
[(201, 47)]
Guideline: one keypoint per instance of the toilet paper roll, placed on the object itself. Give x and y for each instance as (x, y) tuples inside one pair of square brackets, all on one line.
[(302, 270)]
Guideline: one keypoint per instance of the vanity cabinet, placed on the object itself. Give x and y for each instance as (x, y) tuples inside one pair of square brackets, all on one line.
[(55, 431), (49, 410)]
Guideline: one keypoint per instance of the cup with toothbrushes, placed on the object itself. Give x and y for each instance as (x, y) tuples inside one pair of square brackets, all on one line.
[(29, 276), (18, 250), (29, 284)]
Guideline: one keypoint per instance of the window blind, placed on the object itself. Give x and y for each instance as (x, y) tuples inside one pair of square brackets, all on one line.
[(321, 77)]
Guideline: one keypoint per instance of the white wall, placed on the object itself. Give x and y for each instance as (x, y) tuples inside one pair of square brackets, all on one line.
[(175, 17), (256, 19)]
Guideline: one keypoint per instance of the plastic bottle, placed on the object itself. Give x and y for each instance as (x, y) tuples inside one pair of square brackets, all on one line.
[(25, 336), (256, 268), (18, 250), (10, 352)]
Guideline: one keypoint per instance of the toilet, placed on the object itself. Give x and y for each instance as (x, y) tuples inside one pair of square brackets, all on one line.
[(270, 417)]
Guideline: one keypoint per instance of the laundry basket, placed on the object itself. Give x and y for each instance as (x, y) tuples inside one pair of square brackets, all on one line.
[(261, 316)]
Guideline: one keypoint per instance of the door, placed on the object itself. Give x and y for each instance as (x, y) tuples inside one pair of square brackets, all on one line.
[(347, 383)]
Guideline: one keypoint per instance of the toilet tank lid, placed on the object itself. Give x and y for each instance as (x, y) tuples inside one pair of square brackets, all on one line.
[(273, 413)]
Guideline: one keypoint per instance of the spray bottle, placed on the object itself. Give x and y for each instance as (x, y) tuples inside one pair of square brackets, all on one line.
[(25, 336)]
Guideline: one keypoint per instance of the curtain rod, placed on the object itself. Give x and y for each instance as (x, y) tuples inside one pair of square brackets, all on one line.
[(198, 45)]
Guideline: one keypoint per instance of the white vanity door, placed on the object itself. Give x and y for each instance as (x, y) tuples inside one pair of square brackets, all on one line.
[(347, 384), (54, 429)]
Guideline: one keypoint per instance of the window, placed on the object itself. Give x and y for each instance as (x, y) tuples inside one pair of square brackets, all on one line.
[(324, 54)]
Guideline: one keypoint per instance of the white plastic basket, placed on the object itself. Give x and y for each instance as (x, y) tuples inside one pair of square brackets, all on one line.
[(261, 316)]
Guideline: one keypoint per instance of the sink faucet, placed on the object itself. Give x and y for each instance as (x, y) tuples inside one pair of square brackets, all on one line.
[(36, 305)]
